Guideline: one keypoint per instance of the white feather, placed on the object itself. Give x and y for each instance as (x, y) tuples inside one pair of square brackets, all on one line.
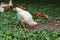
[(4, 5), (10, 3), (25, 16), (1, 9)]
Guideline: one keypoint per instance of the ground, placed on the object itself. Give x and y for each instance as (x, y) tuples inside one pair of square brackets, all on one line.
[(52, 25)]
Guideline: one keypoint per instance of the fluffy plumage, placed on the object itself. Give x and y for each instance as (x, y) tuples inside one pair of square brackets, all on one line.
[(5, 7), (10, 3), (1, 9), (40, 14), (3, 4), (26, 17)]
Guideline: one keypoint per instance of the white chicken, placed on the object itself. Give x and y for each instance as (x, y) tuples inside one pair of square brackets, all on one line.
[(1, 9), (3, 4), (5, 7), (26, 17)]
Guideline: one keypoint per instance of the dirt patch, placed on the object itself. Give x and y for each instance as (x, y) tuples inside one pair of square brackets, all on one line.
[(51, 25), (55, 25)]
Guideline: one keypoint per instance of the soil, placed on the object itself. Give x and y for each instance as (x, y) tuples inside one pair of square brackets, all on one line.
[(55, 25), (51, 25)]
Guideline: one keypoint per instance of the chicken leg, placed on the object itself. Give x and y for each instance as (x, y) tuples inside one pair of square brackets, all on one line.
[(25, 26)]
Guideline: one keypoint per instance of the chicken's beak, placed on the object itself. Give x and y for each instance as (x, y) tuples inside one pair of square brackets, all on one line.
[(37, 25)]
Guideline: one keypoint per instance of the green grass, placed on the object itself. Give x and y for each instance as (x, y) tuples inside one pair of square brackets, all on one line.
[(20, 34), (16, 32)]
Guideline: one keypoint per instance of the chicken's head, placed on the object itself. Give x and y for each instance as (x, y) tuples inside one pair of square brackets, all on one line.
[(37, 25)]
